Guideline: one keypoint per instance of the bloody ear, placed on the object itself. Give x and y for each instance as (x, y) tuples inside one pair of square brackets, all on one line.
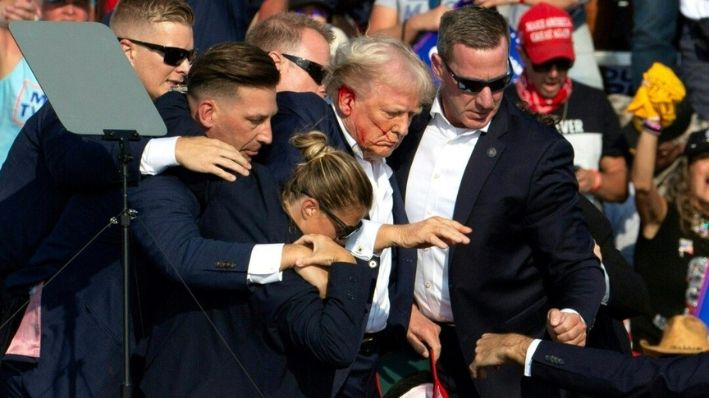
[(345, 99)]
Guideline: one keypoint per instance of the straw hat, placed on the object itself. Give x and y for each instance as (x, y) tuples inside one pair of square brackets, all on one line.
[(684, 335)]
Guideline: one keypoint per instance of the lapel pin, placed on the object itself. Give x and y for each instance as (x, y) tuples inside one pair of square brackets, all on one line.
[(491, 152)]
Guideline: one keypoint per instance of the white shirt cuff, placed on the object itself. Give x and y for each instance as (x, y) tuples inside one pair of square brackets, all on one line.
[(265, 264), (528, 359), (158, 155), (607, 294), (573, 311), (361, 244)]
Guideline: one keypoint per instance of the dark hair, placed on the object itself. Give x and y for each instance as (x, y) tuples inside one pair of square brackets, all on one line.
[(226, 66), (284, 31), (475, 27), (331, 176)]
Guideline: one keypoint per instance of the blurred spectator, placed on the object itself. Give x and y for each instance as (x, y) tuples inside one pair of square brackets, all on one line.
[(654, 33), (67, 10), (585, 117), (322, 12), (220, 21), (353, 14), (104, 8), (673, 243), (585, 68), (51, 10), (624, 216), (319, 10), (407, 19), (20, 93), (694, 52), (21, 10)]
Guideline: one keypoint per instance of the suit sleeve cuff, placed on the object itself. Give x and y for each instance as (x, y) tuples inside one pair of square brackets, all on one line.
[(265, 264), (350, 282), (361, 244), (158, 155), (528, 359)]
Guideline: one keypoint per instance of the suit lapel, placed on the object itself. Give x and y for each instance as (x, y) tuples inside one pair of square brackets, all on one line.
[(337, 135), (404, 155), (483, 159)]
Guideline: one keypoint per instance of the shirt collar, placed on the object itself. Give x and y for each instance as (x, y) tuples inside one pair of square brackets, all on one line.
[(349, 138), (359, 155), (438, 117)]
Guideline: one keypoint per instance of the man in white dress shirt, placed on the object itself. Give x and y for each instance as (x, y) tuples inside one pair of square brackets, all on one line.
[(478, 159)]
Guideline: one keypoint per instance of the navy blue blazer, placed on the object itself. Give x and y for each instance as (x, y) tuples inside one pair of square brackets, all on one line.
[(45, 166), (81, 307), (302, 112), (262, 338), (165, 229), (280, 340), (610, 374), (530, 248)]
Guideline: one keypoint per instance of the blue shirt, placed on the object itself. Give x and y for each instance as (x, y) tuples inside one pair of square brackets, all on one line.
[(21, 97)]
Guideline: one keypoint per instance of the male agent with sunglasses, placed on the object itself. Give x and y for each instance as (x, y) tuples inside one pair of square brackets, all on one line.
[(300, 47), (584, 115), (237, 334), (58, 189), (36, 180), (479, 159)]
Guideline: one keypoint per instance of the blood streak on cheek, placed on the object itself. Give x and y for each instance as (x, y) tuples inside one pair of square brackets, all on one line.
[(383, 131), (361, 135)]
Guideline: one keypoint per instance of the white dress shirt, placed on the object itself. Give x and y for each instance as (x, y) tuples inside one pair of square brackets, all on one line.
[(158, 155), (694, 9), (378, 173), (431, 190), (528, 357)]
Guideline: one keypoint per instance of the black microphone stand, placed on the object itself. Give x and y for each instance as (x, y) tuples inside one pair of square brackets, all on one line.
[(126, 215)]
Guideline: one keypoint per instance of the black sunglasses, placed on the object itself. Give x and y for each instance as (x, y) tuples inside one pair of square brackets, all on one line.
[(342, 230), (475, 86), (561, 64), (172, 56), (314, 69)]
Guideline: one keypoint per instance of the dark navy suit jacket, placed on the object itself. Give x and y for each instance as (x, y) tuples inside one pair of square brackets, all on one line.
[(302, 112), (45, 166), (610, 374), (530, 248), (279, 339), (71, 181)]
